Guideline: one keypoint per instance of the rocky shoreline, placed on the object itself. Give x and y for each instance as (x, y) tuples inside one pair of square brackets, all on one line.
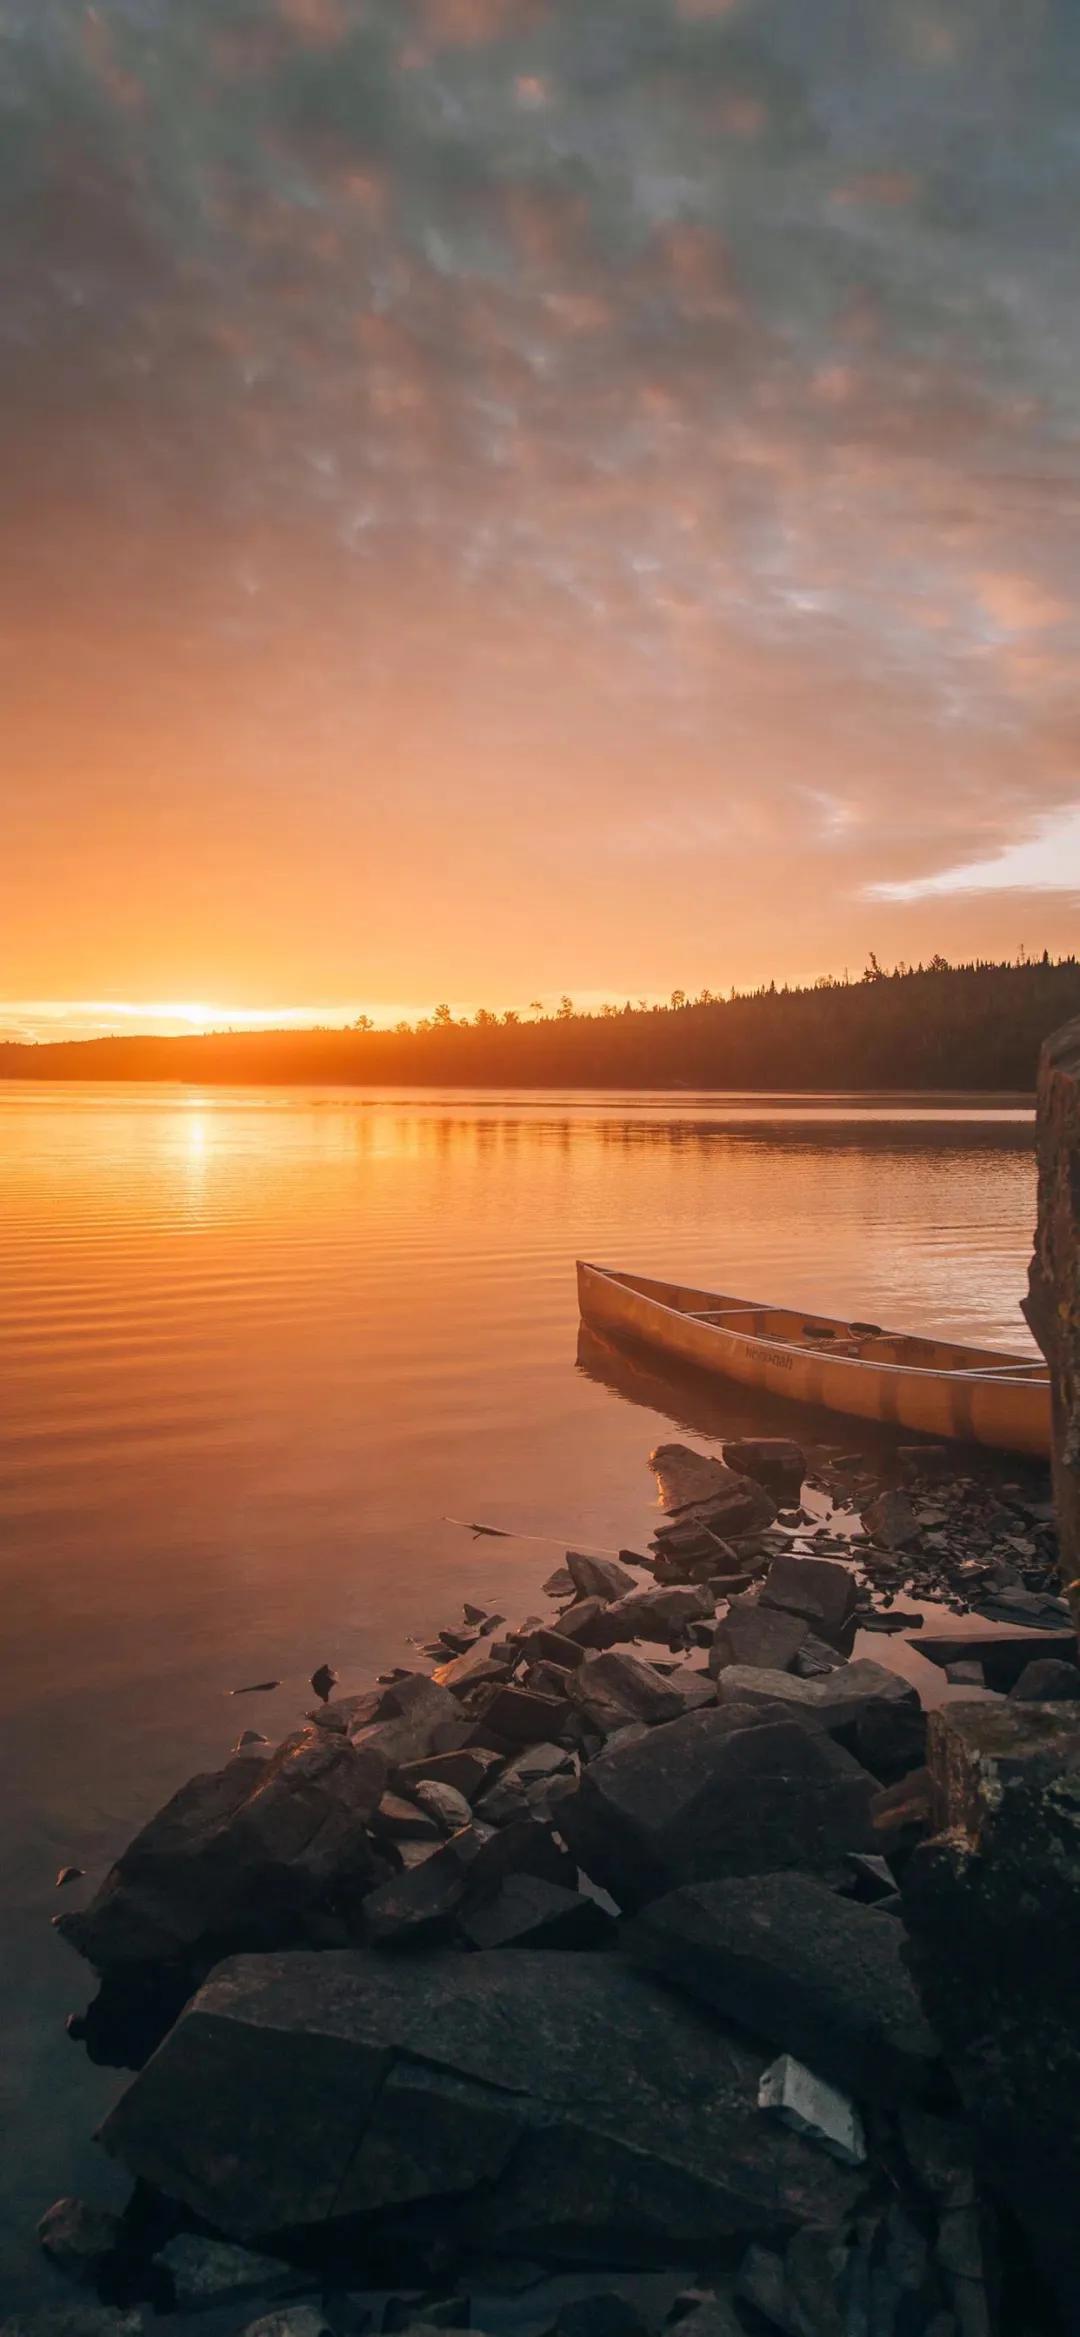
[(633, 1964)]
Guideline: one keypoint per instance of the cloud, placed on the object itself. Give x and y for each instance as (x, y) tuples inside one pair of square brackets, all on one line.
[(491, 390)]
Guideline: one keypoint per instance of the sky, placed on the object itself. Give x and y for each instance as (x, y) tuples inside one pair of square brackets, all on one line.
[(505, 497)]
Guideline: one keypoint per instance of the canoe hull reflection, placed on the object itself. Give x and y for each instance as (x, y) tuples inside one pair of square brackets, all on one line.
[(975, 1395)]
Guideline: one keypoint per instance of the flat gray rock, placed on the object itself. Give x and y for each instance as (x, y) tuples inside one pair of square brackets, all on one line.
[(752, 1634), (558, 2104), (837, 1700), (813, 1974)]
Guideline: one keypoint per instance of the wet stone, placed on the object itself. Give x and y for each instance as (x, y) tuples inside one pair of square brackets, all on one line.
[(1047, 1682), (762, 1636), (528, 1912), (820, 1589), (79, 2238), (599, 1578), (203, 2272)]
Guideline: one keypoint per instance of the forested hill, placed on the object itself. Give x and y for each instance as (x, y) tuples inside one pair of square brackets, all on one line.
[(975, 1027)]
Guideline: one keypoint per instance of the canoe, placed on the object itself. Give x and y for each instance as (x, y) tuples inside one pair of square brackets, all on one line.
[(977, 1395)]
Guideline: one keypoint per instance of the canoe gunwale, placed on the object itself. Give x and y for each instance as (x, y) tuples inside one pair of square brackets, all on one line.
[(916, 1371)]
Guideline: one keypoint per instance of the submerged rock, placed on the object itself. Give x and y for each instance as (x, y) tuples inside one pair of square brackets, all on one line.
[(724, 1792), (811, 1973), (557, 2104)]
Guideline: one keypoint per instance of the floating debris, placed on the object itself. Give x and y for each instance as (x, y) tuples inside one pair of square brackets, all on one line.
[(69, 1874)]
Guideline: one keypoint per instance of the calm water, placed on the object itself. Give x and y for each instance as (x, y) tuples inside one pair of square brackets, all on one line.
[(256, 1347)]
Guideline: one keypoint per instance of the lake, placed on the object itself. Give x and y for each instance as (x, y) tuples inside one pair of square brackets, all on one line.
[(257, 1347)]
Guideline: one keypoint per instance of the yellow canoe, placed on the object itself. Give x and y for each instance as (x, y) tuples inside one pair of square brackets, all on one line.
[(974, 1394)]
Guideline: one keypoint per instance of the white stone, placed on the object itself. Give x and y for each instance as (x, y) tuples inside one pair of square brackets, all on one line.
[(804, 2102)]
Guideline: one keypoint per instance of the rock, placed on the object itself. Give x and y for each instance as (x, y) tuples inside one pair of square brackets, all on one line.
[(815, 1658), (776, 1461), (604, 2313), (204, 2272), (813, 1974), (901, 1814), (711, 2316), (487, 1659), (793, 2093), (992, 1906), (662, 1614), (547, 1679), (408, 1717), (722, 1792), (79, 2238), (586, 1622), (838, 1701), (1053, 1302), (518, 1716), (75, 1874), (613, 1689), (291, 2321), (537, 1765), (79, 2319), (555, 1647), (561, 2105), (893, 1520), (1003, 1655), (527, 1912), (820, 1589), (599, 1578), (757, 1635), (762, 2284), (470, 1770), (444, 1804), (446, 2312), (237, 1856), (420, 1906), (559, 1585), (1048, 1682), (965, 1675), (1039, 1610), (698, 1490), (889, 1736), (402, 1821)]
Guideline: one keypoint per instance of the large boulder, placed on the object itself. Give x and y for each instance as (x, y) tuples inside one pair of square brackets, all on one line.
[(813, 1974), (554, 2104), (695, 1488), (1053, 1303), (726, 1791), (238, 1856), (992, 1903)]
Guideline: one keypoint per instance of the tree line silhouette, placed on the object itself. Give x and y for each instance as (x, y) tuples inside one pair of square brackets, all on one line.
[(973, 1026)]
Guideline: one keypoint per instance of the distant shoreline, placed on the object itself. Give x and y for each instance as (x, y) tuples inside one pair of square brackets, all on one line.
[(940, 1029)]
